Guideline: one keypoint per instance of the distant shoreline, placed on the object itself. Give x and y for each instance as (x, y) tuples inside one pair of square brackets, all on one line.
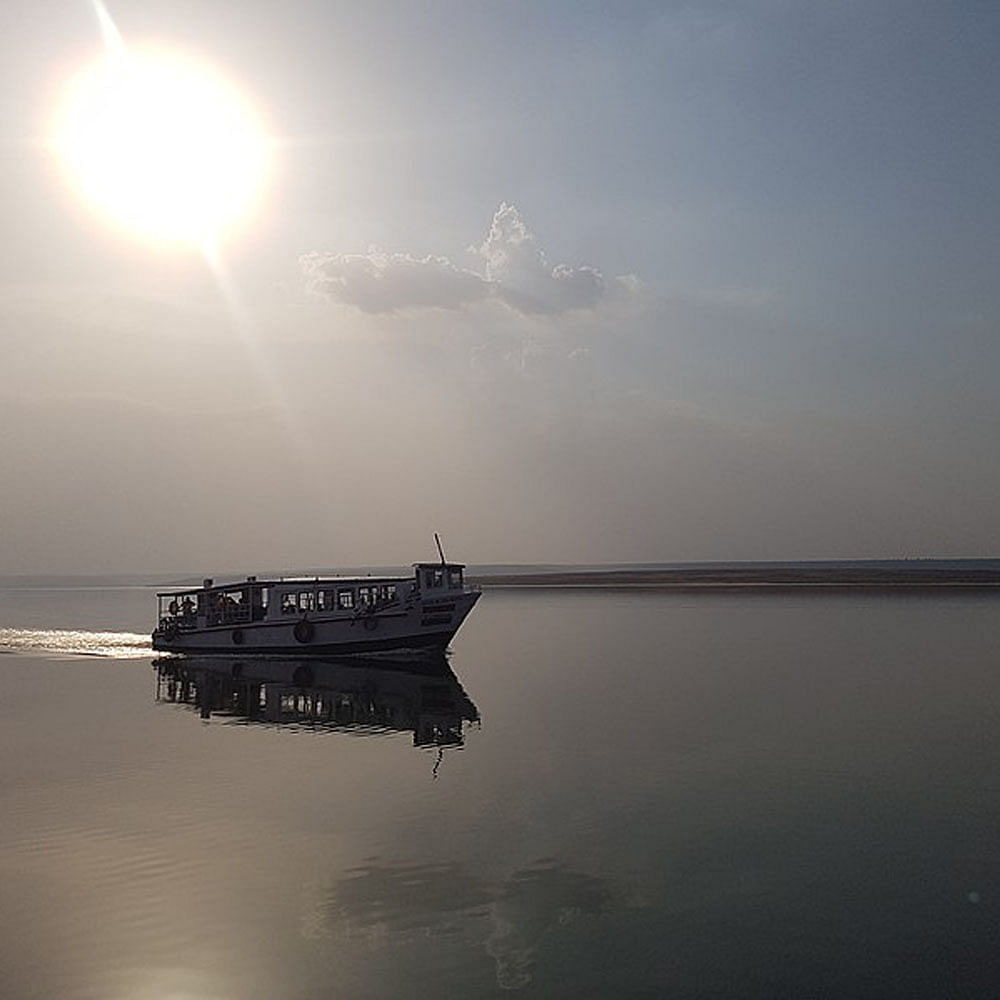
[(976, 574), (758, 577)]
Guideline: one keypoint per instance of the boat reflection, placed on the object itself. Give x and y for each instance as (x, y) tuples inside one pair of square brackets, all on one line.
[(420, 695)]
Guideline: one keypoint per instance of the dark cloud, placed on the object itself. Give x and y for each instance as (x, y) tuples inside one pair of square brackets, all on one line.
[(516, 272)]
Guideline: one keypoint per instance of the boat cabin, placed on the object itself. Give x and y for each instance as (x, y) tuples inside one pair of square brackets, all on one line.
[(439, 576), (253, 600)]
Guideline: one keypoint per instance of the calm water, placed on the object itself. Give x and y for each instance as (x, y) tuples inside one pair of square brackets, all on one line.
[(605, 795)]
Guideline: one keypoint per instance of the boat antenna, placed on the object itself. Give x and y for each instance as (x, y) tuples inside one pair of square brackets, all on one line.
[(437, 542)]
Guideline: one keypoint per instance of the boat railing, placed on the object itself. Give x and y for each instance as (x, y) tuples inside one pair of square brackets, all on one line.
[(182, 618), (230, 614), (365, 608)]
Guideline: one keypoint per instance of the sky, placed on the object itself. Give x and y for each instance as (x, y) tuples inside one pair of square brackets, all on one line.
[(567, 282)]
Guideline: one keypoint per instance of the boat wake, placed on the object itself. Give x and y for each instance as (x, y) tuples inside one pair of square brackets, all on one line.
[(74, 642)]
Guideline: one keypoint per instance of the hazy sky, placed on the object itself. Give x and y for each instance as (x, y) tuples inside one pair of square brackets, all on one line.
[(564, 281)]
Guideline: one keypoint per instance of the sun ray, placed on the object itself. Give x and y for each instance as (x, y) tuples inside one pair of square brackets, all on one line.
[(114, 44), (296, 432)]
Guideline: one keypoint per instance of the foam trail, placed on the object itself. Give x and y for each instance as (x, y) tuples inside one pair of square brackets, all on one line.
[(75, 642)]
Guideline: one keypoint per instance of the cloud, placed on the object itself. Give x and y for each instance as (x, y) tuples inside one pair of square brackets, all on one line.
[(378, 282), (522, 275), (517, 273)]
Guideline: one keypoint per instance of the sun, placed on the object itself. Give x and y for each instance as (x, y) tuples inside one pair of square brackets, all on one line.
[(163, 145)]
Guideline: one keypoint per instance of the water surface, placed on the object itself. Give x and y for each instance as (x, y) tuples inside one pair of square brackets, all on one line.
[(601, 794)]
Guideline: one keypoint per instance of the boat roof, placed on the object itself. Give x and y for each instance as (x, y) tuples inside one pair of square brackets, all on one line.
[(250, 581)]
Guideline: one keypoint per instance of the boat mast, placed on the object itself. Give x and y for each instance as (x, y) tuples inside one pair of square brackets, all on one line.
[(437, 542)]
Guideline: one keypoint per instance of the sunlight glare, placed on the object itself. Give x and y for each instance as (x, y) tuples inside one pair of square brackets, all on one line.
[(163, 145)]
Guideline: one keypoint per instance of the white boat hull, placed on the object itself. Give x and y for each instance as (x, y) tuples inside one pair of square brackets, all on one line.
[(416, 625)]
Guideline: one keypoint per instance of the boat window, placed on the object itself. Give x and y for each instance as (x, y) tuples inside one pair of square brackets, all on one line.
[(345, 599), (288, 604), (455, 578), (366, 596), (387, 593), (228, 606), (307, 601)]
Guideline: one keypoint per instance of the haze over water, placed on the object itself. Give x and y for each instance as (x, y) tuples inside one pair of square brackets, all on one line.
[(574, 284), (773, 795)]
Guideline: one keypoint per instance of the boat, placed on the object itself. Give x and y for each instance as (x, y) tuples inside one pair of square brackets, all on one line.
[(322, 616)]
